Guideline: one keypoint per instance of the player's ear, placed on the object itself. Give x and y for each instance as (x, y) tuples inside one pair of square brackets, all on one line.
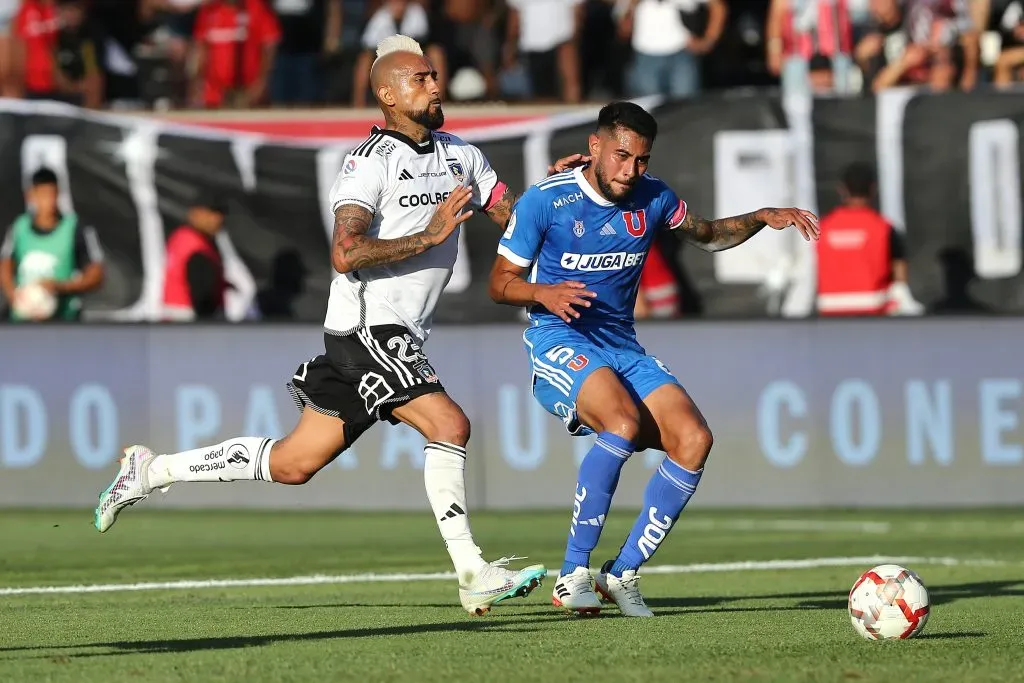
[(385, 95), (594, 144)]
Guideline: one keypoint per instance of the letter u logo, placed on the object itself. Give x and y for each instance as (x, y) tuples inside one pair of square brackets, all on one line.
[(636, 222)]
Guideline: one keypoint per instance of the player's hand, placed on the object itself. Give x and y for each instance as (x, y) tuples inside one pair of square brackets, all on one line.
[(448, 216), (780, 219), (565, 163), (560, 299)]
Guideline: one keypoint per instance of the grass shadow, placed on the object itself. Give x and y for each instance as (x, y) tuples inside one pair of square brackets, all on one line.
[(951, 636), (521, 625), (939, 595)]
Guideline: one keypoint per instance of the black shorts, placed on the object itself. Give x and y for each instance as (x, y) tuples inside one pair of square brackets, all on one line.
[(362, 377)]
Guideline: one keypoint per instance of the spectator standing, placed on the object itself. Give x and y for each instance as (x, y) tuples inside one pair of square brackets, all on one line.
[(35, 30), (546, 34), (53, 249), (180, 21), (235, 46), (78, 77), (9, 86), (310, 32), (668, 38), (464, 33), (125, 25), (862, 267), (799, 29), (194, 282)]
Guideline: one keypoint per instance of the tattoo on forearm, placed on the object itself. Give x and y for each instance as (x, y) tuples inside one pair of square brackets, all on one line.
[(502, 209), (354, 250), (722, 233)]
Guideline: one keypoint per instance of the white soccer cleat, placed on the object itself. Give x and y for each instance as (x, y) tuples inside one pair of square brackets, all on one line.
[(494, 583), (130, 486), (624, 592), (575, 592)]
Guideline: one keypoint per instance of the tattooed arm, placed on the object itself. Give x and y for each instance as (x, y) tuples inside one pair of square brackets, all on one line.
[(352, 249), (501, 210), (726, 233)]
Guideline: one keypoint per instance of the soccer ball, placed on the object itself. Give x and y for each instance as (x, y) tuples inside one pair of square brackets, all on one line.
[(889, 602), (34, 302)]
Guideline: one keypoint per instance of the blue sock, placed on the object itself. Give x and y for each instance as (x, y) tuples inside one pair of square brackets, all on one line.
[(599, 475), (666, 495)]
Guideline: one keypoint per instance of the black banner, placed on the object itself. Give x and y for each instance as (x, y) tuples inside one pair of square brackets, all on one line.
[(962, 182), (952, 179)]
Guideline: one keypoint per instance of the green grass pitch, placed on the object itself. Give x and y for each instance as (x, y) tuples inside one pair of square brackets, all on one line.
[(716, 622)]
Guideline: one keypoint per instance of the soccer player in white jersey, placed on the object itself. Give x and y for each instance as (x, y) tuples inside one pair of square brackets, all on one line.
[(398, 203)]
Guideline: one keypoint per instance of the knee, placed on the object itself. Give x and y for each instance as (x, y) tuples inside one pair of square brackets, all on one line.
[(291, 470), (691, 447), (450, 426), (624, 423), (294, 473)]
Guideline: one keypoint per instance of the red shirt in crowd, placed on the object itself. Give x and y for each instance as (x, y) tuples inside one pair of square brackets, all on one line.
[(36, 23), (235, 35)]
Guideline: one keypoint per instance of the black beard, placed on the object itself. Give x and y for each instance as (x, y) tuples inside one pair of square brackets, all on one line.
[(607, 190), (430, 121)]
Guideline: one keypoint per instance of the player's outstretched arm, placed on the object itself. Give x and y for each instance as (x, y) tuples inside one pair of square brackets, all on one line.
[(352, 249), (508, 287), (726, 233)]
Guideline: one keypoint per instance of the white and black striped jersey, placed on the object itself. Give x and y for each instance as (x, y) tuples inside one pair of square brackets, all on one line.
[(402, 183)]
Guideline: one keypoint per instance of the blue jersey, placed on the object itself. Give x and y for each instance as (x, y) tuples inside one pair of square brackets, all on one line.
[(562, 229)]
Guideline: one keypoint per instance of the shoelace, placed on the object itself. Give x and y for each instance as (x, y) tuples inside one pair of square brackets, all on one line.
[(632, 588), (504, 561), (581, 583)]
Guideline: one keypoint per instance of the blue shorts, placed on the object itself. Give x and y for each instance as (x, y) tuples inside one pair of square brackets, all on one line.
[(562, 360)]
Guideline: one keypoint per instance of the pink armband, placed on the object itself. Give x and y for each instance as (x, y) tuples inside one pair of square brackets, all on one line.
[(677, 217), (497, 193)]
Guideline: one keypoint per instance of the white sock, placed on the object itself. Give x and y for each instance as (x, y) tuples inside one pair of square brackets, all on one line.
[(444, 474), (243, 458)]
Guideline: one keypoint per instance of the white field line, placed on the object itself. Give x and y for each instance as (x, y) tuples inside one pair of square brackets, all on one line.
[(746, 524), (750, 524), (320, 579)]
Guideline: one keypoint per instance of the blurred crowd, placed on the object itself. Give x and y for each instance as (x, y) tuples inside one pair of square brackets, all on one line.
[(255, 53)]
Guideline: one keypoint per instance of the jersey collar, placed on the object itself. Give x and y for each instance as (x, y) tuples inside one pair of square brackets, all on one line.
[(420, 148), (588, 190)]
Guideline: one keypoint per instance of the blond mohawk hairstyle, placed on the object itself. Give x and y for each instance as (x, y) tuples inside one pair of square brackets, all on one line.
[(398, 43)]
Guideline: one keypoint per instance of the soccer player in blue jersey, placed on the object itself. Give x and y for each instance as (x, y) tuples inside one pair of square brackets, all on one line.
[(572, 253)]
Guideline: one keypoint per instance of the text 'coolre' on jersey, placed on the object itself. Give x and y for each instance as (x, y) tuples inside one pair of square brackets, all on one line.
[(565, 230), (403, 183)]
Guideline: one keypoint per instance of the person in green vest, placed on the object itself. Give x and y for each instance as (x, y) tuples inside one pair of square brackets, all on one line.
[(54, 249)]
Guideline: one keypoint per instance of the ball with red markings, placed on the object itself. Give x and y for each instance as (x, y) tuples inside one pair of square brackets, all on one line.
[(889, 602)]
